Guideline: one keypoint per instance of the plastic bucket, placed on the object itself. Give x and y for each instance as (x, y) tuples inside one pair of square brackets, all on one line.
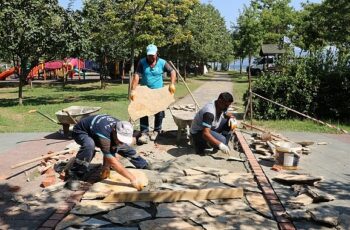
[(288, 159)]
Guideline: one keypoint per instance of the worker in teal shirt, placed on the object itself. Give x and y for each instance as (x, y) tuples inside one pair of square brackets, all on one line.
[(151, 69)]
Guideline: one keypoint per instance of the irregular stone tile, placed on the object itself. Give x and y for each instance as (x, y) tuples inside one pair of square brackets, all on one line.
[(318, 195), (200, 204), (91, 207), (212, 171), (215, 184), (244, 180), (167, 223), (296, 178), (344, 222), (70, 220), (242, 220), (195, 182), (301, 200), (174, 187), (258, 202), (178, 209), (126, 215), (142, 204), (119, 228), (229, 206), (93, 222), (325, 216), (298, 214), (192, 172)]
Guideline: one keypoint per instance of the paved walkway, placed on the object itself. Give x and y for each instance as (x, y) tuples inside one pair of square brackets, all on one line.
[(330, 161)]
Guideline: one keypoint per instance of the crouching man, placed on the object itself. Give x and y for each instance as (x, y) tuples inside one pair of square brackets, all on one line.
[(212, 125), (113, 137)]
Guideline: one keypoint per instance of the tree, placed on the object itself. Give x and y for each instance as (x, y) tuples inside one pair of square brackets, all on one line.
[(250, 31), (210, 37), (277, 18), (30, 29)]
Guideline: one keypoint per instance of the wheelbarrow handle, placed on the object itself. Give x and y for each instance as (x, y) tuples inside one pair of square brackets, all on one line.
[(70, 116), (42, 114)]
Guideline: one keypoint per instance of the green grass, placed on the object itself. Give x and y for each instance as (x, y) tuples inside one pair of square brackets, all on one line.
[(50, 99), (240, 86)]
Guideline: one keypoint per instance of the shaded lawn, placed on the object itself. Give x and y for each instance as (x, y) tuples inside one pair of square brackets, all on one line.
[(49, 99)]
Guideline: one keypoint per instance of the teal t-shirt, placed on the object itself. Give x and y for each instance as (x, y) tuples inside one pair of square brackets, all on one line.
[(152, 77)]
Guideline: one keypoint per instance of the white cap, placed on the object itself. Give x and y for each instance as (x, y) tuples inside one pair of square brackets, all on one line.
[(124, 131)]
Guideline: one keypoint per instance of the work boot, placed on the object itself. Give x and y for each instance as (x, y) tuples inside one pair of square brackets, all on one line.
[(144, 139), (153, 136)]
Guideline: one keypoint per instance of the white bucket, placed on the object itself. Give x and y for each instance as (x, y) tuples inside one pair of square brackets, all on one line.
[(288, 159)]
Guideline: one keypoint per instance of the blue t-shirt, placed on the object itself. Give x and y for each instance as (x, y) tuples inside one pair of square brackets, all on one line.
[(152, 77), (99, 128)]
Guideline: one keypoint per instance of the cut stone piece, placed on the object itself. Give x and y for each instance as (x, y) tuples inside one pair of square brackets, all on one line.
[(126, 215), (325, 216), (230, 206), (298, 214), (115, 183), (174, 186), (305, 143), (318, 195), (297, 178), (70, 220), (167, 223), (144, 102), (178, 209), (91, 207), (258, 202), (302, 200)]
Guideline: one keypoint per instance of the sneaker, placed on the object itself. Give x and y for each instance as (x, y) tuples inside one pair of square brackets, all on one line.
[(144, 139), (153, 136)]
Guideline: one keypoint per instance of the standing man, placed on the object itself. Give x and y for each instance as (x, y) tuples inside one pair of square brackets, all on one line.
[(151, 70), (212, 124), (112, 136)]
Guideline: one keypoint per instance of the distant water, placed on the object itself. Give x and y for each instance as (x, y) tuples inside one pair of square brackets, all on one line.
[(235, 65)]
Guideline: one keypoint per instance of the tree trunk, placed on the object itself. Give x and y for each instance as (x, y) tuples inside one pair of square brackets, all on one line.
[(240, 65), (250, 90)]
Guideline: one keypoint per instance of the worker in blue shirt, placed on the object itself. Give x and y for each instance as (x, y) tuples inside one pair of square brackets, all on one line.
[(151, 69), (111, 136)]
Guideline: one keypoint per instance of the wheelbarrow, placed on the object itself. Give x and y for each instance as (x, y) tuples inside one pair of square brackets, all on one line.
[(183, 117), (70, 116)]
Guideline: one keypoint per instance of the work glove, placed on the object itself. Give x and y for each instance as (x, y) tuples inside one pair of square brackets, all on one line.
[(232, 123), (132, 95), (105, 173), (172, 88), (137, 183), (224, 148)]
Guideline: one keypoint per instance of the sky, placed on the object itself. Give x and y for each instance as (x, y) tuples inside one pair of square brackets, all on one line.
[(229, 9)]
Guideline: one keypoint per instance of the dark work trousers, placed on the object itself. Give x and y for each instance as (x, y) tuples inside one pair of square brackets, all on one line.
[(200, 144), (87, 152), (158, 120)]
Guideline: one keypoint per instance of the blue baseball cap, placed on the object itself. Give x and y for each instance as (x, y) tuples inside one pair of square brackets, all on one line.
[(151, 49)]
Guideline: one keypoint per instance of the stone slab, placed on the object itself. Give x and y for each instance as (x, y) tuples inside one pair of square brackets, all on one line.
[(168, 223), (148, 101), (92, 207), (178, 209), (126, 215)]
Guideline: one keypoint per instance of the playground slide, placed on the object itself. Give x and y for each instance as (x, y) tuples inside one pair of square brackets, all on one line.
[(7, 73)]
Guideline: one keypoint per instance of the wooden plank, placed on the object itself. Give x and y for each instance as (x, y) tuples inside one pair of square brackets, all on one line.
[(41, 158), (173, 196), (148, 101)]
